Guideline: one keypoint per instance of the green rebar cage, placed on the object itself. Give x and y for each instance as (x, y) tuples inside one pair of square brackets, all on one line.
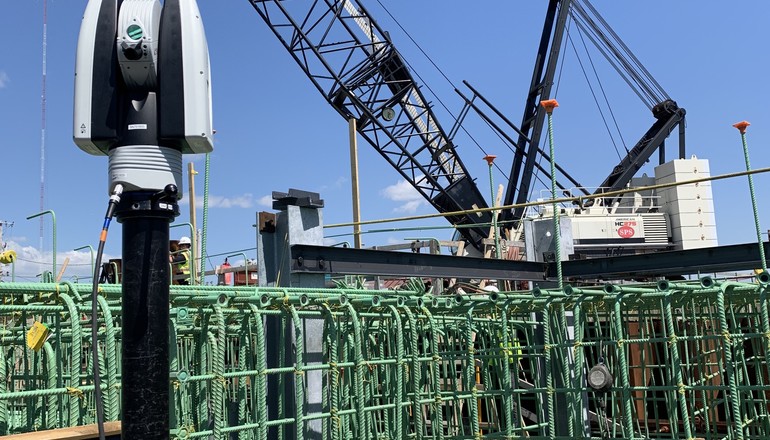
[(678, 360)]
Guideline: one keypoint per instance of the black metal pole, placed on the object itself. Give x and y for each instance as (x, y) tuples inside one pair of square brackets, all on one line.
[(145, 350)]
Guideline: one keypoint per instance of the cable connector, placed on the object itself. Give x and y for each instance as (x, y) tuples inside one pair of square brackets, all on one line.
[(113, 204), (116, 193)]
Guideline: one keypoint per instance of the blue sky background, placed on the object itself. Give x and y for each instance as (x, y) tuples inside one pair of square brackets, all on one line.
[(275, 131)]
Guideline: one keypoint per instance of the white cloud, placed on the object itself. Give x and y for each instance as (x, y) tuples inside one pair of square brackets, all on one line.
[(4, 79), (404, 193), (31, 262), (241, 201), (401, 191), (394, 240), (340, 183), (266, 201), (409, 207)]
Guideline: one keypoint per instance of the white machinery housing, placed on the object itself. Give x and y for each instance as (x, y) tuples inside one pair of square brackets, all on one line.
[(680, 217)]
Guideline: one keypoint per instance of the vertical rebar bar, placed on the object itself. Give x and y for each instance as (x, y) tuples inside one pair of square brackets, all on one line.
[(490, 158), (741, 126), (549, 105), (204, 227)]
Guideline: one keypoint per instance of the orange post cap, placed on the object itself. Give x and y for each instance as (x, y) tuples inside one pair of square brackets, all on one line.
[(741, 126), (549, 105), (490, 158)]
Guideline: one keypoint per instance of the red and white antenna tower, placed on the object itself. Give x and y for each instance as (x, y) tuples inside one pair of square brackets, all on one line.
[(43, 119)]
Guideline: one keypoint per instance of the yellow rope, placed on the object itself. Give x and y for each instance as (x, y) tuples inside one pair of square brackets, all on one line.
[(75, 392)]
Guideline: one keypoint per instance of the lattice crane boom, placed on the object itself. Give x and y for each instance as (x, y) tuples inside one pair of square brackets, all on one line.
[(357, 69)]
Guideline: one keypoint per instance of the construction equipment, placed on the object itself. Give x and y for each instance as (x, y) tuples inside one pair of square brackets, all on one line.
[(354, 64)]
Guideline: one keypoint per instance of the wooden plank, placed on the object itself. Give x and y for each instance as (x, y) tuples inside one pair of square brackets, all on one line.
[(63, 268), (73, 433)]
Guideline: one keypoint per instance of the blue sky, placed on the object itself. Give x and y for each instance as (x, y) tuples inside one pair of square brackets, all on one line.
[(275, 131)]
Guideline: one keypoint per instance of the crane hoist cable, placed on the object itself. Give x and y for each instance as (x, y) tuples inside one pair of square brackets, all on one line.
[(641, 70), (623, 70), (617, 53), (604, 94), (596, 100)]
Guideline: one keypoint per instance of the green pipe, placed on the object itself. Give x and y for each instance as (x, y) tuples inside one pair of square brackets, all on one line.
[(219, 383), (358, 374), (438, 414), (4, 380), (578, 383), (204, 229), (677, 365), (736, 287), (245, 265), (493, 202), (740, 126), (299, 380), (91, 251), (732, 380), (244, 350), (19, 395), (75, 356), (206, 347), (554, 205), (261, 379), (617, 319), (550, 403), (620, 289), (73, 290), (765, 319), (567, 364), (665, 285), (175, 400), (330, 329), (53, 221), (505, 350), (282, 358), (548, 293), (570, 290), (110, 353), (346, 416), (382, 382), (52, 405), (399, 430), (470, 374), (416, 373)]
